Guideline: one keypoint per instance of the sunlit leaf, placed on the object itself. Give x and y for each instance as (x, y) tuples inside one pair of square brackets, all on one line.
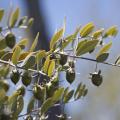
[(104, 49), (85, 46), (87, 29), (57, 36), (51, 68), (34, 44), (30, 22), (112, 31), (57, 94), (16, 55), (97, 33), (46, 65), (14, 17)]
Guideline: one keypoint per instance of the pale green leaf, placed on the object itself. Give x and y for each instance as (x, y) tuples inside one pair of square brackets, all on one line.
[(85, 46), (14, 17), (30, 22), (57, 94), (16, 55), (112, 31), (51, 68), (34, 44), (97, 33), (104, 49), (56, 37), (87, 29), (46, 65)]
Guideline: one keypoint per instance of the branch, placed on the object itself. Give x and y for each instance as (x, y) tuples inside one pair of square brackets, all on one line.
[(12, 65), (90, 59)]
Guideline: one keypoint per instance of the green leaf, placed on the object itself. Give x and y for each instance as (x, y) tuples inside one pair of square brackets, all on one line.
[(56, 37), (41, 54), (22, 21), (14, 17), (46, 65), (85, 46), (51, 68), (97, 33), (30, 105), (2, 44), (112, 31), (68, 96), (29, 61), (2, 95), (57, 94), (104, 49), (87, 29), (77, 90), (1, 14), (22, 43), (102, 57), (46, 105), (16, 55), (34, 44), (30, 22)]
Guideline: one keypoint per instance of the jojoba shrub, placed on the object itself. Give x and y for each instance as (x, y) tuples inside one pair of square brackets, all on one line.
[(18, 64)]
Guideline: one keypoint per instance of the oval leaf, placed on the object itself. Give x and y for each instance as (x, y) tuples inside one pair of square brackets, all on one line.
[(16, 55), (102, 57), (104, 49), (51, 68), (34, 44), (87, 29), (85, 46), (14, 17)]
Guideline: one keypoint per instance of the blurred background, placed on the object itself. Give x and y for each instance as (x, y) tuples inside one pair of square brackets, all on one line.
[(101, 103)]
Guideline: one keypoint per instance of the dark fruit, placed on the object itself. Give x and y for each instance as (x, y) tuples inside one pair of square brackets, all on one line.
[(63, 59), (96, 78), (15, 76), (10, 40), (26, 79), (39, 92), (4, 85), (70, 75)]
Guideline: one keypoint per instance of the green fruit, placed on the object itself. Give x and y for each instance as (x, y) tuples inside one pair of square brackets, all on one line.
[(10, 40), (39, 92), (15, 76), (4, 84), (26, 78), (70, 75), (96, 78), (63, 59), (21, 90)]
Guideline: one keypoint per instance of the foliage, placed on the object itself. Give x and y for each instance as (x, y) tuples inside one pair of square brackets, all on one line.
[(28, 65)]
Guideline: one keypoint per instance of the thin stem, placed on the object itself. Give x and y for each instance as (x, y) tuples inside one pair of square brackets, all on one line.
[(18, 67)]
